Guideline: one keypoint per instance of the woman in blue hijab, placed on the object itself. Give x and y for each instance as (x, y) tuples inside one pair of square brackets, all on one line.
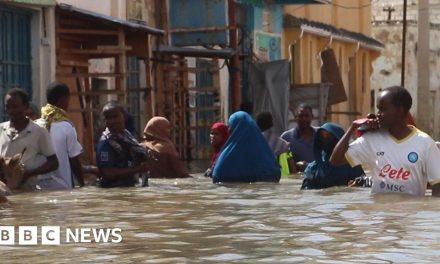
[(320, 173), (246, 156)]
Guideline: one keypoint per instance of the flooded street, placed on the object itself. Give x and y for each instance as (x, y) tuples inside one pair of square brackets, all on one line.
[(194, 221)]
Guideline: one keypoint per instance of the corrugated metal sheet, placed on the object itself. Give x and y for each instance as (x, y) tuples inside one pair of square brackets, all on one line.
[(200, 53), (207, 16), (33, 2), (290, 21), (111, 19)]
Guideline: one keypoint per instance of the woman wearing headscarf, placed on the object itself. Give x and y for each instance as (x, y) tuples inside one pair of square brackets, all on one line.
[(320, 173), (246, 156), (157, 137), (218, 136)]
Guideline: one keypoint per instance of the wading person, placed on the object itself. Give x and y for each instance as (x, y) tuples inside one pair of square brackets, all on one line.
[(301, 137), (119, 155), (21, 135), (63, 135), (320, 173), (218, 136), (276, 143), (33, 112), (246, 156), (279, 146), (402, 158), (157, 138)]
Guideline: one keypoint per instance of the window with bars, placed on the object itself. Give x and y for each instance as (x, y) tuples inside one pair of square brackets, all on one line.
[(15, 52)]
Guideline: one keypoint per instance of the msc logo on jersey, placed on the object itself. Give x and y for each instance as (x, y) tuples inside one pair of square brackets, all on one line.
[(413, 157), (392, 187)]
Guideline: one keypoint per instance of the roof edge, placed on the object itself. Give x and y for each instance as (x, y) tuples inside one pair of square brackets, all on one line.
[(324, 29), (115, 20)]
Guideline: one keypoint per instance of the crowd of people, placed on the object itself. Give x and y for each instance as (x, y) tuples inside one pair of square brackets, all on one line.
[(400, 158), (44, 152)]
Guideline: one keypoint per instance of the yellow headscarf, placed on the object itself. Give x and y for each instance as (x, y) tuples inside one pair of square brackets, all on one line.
[(51, 113)]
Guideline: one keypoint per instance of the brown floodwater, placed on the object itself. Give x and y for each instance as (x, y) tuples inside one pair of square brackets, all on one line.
[(194, 221)]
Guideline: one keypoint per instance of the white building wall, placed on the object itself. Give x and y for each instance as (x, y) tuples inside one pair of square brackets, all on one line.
[(387, 68), (378, 14), (42, 51)]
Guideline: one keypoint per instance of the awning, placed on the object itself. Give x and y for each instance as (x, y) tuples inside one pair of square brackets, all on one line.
[(32, 2), (324, 29), (110, 19), (199, 53)]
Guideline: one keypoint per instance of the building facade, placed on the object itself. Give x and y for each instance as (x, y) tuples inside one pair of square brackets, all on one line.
[(387, 25), (89, 45), (316, 35)]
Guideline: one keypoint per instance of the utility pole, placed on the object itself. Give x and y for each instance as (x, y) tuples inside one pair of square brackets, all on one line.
[(235, 62), (402, 74), (423, 94)]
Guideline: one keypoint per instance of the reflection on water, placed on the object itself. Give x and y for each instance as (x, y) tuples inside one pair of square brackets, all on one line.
[(194, 221)]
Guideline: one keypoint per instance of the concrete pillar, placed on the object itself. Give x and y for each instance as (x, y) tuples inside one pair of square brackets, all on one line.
[(423, 94)]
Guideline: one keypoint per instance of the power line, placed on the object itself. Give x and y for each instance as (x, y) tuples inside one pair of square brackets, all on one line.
[(354, 7)]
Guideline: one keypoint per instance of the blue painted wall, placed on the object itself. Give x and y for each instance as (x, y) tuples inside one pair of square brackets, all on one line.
[(253, 22), (276, 23), (198, 14)]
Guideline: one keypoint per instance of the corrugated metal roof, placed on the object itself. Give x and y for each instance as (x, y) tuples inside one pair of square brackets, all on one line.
[(283, 2), (192, 52), (32, 2), (111, 19), (292, 21)]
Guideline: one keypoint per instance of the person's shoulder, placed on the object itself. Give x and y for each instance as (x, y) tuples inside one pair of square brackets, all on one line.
[(102, 140), (288, 132), (4, 125), (379, 134), (64, 124), (34, 127), (421, 136), (103, 145), (40, 121)]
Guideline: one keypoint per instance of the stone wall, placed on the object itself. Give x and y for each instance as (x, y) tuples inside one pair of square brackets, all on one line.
[(378, 14), (387, 68)]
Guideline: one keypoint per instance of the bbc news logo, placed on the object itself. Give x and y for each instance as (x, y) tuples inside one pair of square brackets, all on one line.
[(51, 235)]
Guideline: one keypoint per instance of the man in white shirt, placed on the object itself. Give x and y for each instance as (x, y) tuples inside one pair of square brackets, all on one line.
[(402, 158), (21, 135), (63, 135)]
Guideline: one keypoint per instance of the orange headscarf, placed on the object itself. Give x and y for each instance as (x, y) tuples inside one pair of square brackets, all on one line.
[(159, 137)]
